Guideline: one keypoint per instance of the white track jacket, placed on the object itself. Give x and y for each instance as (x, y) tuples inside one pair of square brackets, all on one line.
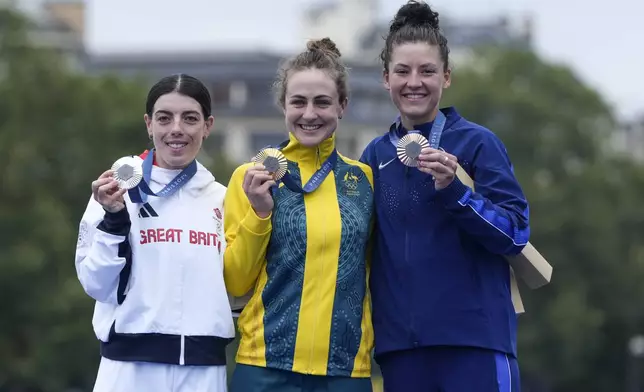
[(156, 273)]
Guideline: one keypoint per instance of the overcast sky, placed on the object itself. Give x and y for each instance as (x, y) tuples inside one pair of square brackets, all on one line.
[(602, 40)]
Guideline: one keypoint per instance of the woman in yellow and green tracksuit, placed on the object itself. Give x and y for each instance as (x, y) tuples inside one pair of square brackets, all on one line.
[(301, 245)]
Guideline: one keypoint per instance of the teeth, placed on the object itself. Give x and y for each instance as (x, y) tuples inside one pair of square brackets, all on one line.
[(413, 96), (310, 127), (176, 145)]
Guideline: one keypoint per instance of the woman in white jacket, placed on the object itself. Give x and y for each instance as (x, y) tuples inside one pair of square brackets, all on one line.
[(151, 257)]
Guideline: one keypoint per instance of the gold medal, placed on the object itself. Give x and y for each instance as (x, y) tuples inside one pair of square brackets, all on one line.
[(409, 148), (128, 171), (274, 162)]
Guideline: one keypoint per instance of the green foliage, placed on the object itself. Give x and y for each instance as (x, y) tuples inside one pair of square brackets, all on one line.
[(60, 130), (585, 216)]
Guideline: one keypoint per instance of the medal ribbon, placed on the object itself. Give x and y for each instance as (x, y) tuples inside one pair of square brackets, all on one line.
[(316, 179), (434, 135), (139, 194)]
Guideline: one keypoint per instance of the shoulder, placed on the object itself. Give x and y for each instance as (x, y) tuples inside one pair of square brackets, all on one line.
[(371, 146), (463, 133), (480, 147), (375, 141), (471, 132), (475, 140)]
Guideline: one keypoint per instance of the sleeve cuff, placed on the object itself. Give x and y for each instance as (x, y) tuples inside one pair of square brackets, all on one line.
[(255, 224), (455, 195), (116, 223)]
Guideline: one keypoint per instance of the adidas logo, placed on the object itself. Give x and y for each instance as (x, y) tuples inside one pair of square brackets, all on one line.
[(147, 211)]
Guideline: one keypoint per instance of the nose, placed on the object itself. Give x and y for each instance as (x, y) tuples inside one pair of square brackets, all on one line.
[(176, 126), (414, 80), (309, 112)]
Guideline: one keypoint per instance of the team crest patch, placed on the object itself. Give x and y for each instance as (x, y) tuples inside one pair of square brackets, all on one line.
[(217, 216), (351, 181)]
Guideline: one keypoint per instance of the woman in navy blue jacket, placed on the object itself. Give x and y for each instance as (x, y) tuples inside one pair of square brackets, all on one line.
[(442, 308)]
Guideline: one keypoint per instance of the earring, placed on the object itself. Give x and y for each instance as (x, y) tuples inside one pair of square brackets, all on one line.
[(150, 136)]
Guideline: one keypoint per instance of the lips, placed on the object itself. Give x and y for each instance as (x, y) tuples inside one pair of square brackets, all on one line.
[(175, 145), (310, 127), (415, 96)]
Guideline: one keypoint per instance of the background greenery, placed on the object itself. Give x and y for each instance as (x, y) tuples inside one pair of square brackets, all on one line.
[(59, 130)]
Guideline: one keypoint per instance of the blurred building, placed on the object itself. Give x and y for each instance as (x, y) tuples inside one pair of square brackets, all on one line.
[(56, 24), (247, 118), (629, 138), (359, 32)]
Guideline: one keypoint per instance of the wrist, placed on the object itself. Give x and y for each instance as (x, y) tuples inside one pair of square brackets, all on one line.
[(113, 209), (262, 214)]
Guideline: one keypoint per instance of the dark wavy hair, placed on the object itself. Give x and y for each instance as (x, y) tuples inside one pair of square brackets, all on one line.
[(415, 22)]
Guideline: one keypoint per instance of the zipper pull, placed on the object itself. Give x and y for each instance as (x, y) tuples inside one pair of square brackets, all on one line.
[(318, 162)]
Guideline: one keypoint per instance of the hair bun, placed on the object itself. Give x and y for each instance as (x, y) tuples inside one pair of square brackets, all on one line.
[(415, 13), (325, 45)]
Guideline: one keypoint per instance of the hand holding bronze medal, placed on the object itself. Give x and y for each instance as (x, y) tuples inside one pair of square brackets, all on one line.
[(409, 148), (274, 162), (128, 171)]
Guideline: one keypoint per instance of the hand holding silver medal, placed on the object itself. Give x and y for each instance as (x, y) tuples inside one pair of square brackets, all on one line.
[(128, 171)]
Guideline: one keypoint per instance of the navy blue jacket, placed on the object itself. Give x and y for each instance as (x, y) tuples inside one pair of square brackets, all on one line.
[(438, 274)]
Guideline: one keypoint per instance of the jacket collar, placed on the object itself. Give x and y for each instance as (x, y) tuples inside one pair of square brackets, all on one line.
[(316, 155), (450, 113)]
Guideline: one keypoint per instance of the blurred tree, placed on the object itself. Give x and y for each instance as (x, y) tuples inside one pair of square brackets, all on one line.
[(58, 132), (585, 216)]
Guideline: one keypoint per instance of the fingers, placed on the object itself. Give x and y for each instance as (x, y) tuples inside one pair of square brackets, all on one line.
[(436, 160), (103, 179), (437, 168), (259, 179), (107, 174), (256, 179), (266, 186), (108, 190), (118, 194), (96, 184)]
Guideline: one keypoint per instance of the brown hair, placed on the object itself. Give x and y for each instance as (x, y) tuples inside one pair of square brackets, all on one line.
[(319, 54), (415, 22)]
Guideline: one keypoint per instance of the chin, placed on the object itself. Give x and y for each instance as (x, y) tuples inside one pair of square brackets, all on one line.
[(417, 115), (172, 161), (308, 140)]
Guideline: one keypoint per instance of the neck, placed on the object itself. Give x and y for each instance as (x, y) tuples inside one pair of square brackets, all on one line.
[(411, 122)]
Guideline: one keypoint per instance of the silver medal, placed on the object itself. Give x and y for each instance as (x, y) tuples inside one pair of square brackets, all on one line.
[(128, 171)]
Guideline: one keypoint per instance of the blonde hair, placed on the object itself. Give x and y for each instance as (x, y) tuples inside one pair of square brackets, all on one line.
[(319, 54)]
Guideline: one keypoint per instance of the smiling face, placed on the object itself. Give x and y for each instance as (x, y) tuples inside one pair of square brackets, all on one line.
[(178, 128), (312, 106), (415, 80)]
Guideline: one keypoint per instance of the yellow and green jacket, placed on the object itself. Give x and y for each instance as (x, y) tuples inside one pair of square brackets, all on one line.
[(310, 311)]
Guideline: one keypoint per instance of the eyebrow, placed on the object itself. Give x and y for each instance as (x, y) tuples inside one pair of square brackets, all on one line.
[(297, 96), (169, 113), (422, 65)]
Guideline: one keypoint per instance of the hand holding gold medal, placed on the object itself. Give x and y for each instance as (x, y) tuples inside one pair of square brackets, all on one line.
[(270, 167), (274, 162)]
